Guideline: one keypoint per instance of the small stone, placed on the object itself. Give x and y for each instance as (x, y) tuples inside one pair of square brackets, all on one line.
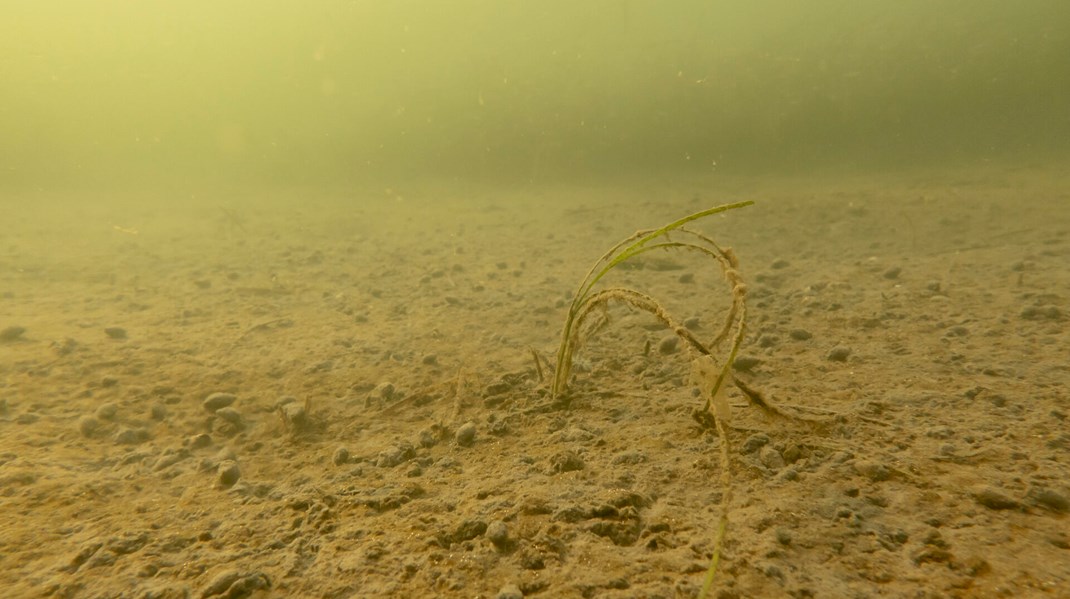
[(27, 418), (216, 401), (1049, 498), (771, 458), (230, 415), (430, 360), (498, 533), (469, 529), (220, 583), (792, 453), (427, 439), (229, 472), (957, 331), (12, 333), (395, 455), (779, 264), (693, 323), (754, 442), (88, 426), (976, 566), (566, 461), (109, 381), (994, 499), (745, 363), (384, 391), (801, 335), (1041, 313), (115, 332), (341, 456), (132, 436), (768, 341), (839, 353), (874, 471), (668, 345), (509, 591), (158, 411), (892, 273), (783, 536), (201, 440), (789, 473), (294, 413), (107, 411), (466, 434)]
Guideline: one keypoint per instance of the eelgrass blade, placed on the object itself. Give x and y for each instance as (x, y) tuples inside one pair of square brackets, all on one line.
[(609, 261), (636, 247)]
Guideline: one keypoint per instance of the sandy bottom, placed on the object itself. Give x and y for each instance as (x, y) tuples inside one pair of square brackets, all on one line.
[(337, 397)]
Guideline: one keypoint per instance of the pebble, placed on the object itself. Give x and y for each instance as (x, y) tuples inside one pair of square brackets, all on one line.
[(668, 345), (230, 415), (132, 436), (994, 499), (468, 530), (158, 411), (232, 585), (221, 583), (466, 434), (509, 591), (693, 323), (745, 363), (801, 335), (1041, 313), (28, 418), (874, 471), (754, 442), (107, 411), (427, 439), (768, 341), (395, 455), (839, 353), (430, 360), (566, 461), (88, 426), (384, 391), (792, 453), (294, 412), (229, 473), (892, 273), (341, 456), (216, 401), (12, 333), (498, 533), (201, 440), (771, 458), (115, 332), (1049, 498)]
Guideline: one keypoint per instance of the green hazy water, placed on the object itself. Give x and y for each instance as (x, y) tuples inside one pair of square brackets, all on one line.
[(109, 94)]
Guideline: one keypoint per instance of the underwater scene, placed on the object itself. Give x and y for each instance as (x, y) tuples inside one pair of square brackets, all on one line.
[(511, 298)]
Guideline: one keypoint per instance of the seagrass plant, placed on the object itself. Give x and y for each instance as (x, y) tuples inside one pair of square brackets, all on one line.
[(709, 372)]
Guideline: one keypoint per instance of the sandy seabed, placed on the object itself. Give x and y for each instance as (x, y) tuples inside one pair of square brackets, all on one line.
[(310, 396)]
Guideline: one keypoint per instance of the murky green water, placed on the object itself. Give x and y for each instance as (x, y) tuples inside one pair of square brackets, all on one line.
[(202, 95)]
